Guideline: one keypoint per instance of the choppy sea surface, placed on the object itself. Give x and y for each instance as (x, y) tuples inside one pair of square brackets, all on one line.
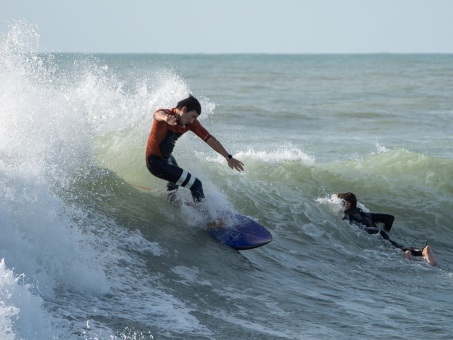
[(90, 248)]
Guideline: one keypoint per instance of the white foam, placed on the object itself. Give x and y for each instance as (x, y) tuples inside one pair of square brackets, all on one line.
[(380, 148), (335, 203), (21, 314), (279, 154)]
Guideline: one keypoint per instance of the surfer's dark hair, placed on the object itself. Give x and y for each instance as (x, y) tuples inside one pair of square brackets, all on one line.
[(348, 197), (191, 103)]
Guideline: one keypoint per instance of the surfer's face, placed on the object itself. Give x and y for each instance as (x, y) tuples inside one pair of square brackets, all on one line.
[(187, 117)]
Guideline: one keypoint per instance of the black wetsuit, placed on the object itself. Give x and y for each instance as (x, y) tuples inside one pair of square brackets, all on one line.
[(367, 221)]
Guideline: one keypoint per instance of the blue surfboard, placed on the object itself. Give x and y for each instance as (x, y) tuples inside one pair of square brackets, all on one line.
[(240, 232)]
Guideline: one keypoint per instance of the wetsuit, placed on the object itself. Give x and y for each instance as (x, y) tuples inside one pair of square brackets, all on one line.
[(160, 161), (367, 221)]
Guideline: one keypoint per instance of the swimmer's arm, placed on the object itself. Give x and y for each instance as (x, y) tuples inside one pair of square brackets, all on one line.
[(383, 218), (371, 230)]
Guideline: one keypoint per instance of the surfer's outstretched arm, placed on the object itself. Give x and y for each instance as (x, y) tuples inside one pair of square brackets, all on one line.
[(233, 163)]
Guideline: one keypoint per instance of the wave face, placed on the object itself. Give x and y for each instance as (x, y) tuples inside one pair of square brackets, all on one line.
[(90, 248)]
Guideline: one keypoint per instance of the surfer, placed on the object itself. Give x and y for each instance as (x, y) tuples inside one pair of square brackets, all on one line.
[(368, 221), (168, 126)]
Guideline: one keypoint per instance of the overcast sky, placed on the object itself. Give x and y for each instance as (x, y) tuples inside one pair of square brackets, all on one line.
[(238, 26)]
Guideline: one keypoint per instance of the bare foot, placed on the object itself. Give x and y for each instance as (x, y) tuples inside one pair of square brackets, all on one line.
[(407, 255), (429, 256)]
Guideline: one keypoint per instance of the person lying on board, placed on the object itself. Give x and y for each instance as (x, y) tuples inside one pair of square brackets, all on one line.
[(168, 126), (368, 221)]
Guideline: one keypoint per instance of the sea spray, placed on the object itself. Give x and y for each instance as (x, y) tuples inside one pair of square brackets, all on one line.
[(52, 119), (42, 146)]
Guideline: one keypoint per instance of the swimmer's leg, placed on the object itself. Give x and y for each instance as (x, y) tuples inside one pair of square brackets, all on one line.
[(426, 253)]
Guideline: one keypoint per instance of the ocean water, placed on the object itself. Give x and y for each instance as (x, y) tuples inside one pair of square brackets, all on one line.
[(90, 249)]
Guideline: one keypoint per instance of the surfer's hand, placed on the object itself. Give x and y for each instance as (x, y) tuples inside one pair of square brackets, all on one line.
[(233, 163), (171, 120)]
